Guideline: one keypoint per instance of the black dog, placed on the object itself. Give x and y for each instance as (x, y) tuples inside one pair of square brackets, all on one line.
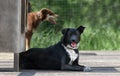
[(62, 56)]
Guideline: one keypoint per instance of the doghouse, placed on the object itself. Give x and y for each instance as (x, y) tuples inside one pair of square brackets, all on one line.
[(12, 27)]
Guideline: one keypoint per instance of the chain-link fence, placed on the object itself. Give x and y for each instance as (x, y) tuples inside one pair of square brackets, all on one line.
[(100, 17)]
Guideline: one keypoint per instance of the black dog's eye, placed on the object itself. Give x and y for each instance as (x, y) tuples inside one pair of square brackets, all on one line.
[(69, 34)]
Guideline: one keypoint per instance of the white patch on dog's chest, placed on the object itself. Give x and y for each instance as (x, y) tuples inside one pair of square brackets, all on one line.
[(73, 55)]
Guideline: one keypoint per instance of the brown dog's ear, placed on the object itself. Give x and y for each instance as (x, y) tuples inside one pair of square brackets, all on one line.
[(42, 14), (81, 29), (46, 11), (64, 31)]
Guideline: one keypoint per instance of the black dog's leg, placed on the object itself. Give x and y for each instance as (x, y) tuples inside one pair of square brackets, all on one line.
[(76, 67), (72, 68), (85, 68), (75, 63)]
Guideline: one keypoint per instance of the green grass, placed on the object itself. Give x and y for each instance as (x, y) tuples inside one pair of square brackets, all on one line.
[(100, 17), (100, 38), (93, 38)]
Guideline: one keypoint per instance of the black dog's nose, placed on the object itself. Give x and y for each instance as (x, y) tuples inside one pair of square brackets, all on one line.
[(73, 40)]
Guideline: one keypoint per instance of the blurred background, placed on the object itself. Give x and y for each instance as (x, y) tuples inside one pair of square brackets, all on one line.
[(100, 17)]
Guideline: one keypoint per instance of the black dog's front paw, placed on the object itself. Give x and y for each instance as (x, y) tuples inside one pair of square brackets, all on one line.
[(87, 69)]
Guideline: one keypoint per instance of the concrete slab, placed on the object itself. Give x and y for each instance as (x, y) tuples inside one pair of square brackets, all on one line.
[(103, 64)]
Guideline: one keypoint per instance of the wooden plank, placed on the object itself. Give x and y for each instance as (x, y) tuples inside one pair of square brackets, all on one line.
[(6, 56)]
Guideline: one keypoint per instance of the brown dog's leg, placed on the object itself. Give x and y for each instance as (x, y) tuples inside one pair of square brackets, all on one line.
[(28, 36)]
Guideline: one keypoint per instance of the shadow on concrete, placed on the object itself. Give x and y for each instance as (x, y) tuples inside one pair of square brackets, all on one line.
[(6, 69), (27, 73), (104, 69)]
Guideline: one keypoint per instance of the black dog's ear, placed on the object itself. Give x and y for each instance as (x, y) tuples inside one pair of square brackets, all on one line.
[(81, 29), (65, 30)]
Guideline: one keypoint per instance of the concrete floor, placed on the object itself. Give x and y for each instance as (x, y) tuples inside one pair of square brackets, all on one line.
[(102, 63)]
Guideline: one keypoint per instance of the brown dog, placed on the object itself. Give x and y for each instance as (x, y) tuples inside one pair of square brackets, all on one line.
[(33, 20)]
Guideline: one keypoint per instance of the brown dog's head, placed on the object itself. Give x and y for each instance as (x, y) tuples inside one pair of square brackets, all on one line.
[(46, 14)]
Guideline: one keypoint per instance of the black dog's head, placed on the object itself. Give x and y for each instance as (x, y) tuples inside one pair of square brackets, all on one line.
[(71, 37)]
